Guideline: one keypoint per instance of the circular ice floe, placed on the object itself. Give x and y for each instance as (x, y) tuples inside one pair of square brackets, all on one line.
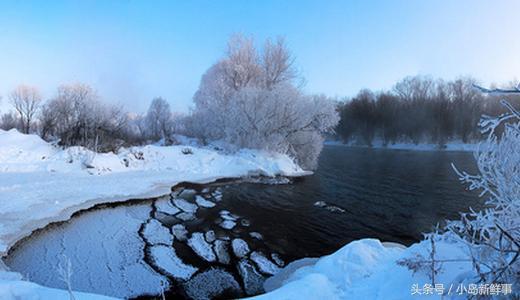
[(201, 247), (180, 232), (185, 216), (212, 283), (222, 251), (164, 205), (164, 258), (227, 224), (264, 264), (202, 202), (210, 236), (240, 248), (155, 233), (253, 281), (185, 205)]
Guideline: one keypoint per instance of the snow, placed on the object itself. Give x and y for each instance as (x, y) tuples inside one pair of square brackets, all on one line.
[(201, 247), (41, 183), (203, 202), (167, 260), (264, 264), (240, 247), (185, 205), (360, 270), (155, 233), (18, 289)]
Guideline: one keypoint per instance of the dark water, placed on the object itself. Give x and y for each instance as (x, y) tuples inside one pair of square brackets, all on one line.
[(386, 194)]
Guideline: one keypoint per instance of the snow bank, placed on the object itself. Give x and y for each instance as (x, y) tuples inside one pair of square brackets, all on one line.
[(40, 183), (366, 269)]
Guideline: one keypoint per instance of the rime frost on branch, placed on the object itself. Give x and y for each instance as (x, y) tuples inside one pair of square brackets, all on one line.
[(493, 234)]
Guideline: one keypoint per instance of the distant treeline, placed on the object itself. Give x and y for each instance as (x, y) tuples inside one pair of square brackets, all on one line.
[(419, 110)]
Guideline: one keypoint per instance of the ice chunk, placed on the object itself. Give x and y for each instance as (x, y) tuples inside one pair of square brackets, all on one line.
[(227, 224), (222, 250), (331, 208), (201, 247), (256, 235), (253, 281), (165, 206), (211, 284), (185, 216), (210, 236), (185, 193), (264, 264), (155, 233), (277, 259), (180, 232), (166, 259), (240, 247), (185, 205), (203, 202), (320, 204), (245, 222), (226, 215)]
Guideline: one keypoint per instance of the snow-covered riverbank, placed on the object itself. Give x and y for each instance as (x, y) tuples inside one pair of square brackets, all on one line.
[(41, 184)]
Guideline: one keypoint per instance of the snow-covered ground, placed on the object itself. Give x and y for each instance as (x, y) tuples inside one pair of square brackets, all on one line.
[(40, 183), (368, 269), (378, 144)]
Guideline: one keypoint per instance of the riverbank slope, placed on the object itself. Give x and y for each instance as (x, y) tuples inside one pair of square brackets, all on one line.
[(41, 184)]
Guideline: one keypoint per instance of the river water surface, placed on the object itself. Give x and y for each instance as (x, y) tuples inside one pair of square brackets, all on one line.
[(355, 193)]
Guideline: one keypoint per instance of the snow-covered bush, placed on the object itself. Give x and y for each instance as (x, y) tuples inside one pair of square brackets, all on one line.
[(493, 234), (251, 99)]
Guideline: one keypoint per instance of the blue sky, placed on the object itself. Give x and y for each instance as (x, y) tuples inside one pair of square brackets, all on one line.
[(131, 51)]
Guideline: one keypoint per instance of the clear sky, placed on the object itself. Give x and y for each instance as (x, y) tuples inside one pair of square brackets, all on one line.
[(131, 51)]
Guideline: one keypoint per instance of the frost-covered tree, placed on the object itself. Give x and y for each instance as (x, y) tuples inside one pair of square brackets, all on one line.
[(26, 101), (493, 235), (250, 99)]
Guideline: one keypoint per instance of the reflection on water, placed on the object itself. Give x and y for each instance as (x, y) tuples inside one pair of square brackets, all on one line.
[(387, 194)]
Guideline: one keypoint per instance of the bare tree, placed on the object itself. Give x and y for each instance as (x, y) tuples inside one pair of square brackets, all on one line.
[(26, 101), (159, 119)]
